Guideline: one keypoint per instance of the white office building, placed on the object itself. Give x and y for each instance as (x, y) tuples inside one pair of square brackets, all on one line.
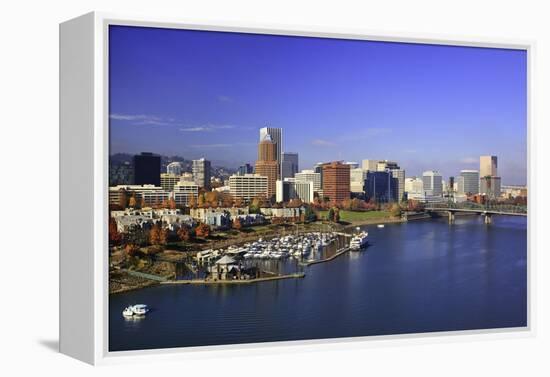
[(248, 186), (310, 176), (432, 182), (414, 187), (289, 189), (470, 182), (357, 180), (169, 180), (399, 174), (184, 191), (201, 173)]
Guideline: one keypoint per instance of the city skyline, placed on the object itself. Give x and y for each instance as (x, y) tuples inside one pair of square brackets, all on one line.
[(388, 96)]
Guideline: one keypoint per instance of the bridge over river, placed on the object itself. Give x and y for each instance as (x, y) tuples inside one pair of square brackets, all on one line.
[(487, 210)]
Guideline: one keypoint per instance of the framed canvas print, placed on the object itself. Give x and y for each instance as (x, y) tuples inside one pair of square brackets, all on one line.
[(223, 185)]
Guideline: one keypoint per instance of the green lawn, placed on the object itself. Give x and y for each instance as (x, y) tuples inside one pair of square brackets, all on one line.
[(351, 216)]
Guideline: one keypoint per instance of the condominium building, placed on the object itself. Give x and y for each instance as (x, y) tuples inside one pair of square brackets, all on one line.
[(289, 189), (432, 181), (336, 181), (470, 182), (248, 186), (201, 172), (150, 194), (184, 192), (169, 180)]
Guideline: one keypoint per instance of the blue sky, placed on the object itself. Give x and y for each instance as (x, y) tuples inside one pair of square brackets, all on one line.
[(206, 94)]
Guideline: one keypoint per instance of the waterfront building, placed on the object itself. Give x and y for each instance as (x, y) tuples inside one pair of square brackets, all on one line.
[(201, 173), (370, 165), (245, 169), (248, 186), (470, 182), (121, 173), (432, 182), (357, 178), (381, 186), (276, 135), (336, 181), (169, 180), (147, 169), (200, 214), (289, 165), (399, 174), (185, 192), (414, 187), (266, 165), (488, 166), (289, 189), (174, 168), (490, 186), (514, 191), (310, 176), (285, 212)]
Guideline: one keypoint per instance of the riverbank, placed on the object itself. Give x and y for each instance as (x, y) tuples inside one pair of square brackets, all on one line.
[(236, 281)]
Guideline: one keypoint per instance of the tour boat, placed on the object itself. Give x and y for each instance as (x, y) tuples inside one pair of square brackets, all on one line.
[(359, 241)]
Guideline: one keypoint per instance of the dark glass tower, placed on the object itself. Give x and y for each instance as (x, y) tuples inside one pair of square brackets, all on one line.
[(147, 169)]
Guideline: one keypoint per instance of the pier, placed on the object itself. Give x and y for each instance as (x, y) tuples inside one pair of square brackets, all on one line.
[(298, 275)]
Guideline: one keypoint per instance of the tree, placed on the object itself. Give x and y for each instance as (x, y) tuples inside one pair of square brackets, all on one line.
[(237, 224), (330, 214), (395, 210), (336, 215), (192, 202), (211, 197), (172, 203), (184, 234), (163, 236), (154, 235), (143, 203), (201, 200), (202, 230), (114, 236), (132, 203), (131, 249), (136, 235), (310, 214)]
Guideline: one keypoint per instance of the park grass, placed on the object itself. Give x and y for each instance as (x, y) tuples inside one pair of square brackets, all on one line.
[(359, 216)]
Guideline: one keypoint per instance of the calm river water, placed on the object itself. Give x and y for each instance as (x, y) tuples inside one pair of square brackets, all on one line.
[(421, 276)]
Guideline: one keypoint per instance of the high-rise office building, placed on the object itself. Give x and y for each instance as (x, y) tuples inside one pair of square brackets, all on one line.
[(121, 174), (399, 174), (432, 181), (490, 186), (201, 173), (381, 186), (289, 165), (289, 189), (309, 176), (266, 165), (488, 166), (248, 186), (357, 180), (370, 165), (414, 187), (336, 181), (147, 169), (276, 135), (470, 182), (245, 169), (184, 192), (174, 168), (384, 165)]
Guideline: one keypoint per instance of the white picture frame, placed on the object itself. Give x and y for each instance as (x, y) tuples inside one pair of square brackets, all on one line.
[(84, 183)]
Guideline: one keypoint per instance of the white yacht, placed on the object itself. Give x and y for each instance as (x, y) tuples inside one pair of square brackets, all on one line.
[(128, 312), (140, 309), (359, 241)]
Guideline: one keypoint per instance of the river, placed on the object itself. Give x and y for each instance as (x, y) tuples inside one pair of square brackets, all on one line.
[(421, 276)]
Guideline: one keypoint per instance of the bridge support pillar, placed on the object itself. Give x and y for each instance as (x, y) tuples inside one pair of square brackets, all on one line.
[(451, 217), (488, 218)]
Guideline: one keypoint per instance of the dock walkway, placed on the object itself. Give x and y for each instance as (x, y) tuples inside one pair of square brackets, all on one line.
[(249, 281)]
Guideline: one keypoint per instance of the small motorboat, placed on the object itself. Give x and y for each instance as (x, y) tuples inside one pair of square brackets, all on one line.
[(380, 225), (140, 309), (128, 312)]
